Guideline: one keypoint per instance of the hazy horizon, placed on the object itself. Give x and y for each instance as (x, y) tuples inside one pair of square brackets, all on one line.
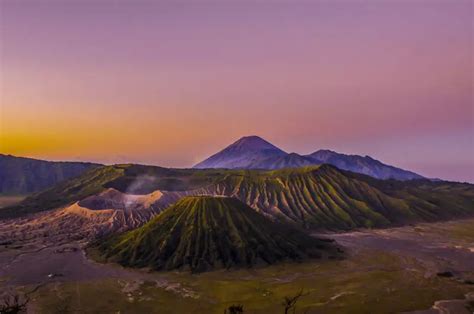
[(171, 84)]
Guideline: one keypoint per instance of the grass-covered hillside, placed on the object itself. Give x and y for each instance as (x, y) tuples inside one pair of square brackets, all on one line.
[(326, 197), (321, 197), (200, 233), (89, 183)]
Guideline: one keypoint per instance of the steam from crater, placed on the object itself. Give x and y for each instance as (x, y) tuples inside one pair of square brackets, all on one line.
[(141, 185)]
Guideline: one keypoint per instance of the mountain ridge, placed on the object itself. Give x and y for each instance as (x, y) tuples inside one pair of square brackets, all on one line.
[(232, 158), (362, 164), (23, 175), (315, 197)]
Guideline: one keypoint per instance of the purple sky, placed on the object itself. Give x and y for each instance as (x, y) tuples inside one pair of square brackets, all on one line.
[(171, 83)]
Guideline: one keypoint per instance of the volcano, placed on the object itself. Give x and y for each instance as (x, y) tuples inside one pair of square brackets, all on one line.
[(202, 233)]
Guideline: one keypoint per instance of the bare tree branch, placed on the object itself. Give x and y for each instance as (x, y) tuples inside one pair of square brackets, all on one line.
[(290, 302), (13, 304)]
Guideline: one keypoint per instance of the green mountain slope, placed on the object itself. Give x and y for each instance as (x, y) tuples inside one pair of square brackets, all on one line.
[(20, 175), (134, 179), (89, 183), (326, 197), (320, 197), (202, 233)]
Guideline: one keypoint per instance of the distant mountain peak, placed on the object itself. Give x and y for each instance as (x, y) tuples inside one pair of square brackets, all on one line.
[(242, 154), (253, 152), (253, 143), (323, 152), (251, 138)]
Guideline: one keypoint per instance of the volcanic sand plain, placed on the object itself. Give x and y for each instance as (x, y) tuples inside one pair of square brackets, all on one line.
[(385, 271)]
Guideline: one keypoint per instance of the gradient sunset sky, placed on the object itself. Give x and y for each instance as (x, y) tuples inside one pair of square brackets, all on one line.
[(171, 83)]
